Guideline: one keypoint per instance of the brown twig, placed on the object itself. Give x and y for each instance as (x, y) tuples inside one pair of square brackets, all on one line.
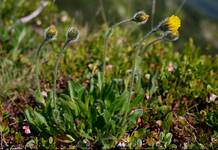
[(30, 17)]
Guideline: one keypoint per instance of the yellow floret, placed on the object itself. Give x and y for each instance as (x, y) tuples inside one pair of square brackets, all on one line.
[(173, 24)]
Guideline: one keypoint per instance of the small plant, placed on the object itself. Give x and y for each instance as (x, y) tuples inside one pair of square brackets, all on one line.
[(212, 120), (90, 116), (149, 96), (170, 28), (49, 35), (98, 115), (166, 140)]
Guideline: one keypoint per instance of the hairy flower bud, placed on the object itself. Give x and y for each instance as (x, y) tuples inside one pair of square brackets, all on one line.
[(140, 17), (171, 37), (50, 33), (72, 34)]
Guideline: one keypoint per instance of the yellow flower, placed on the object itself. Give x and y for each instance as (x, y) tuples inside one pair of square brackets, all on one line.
[(140, 17), (50, 33), (173, 23)]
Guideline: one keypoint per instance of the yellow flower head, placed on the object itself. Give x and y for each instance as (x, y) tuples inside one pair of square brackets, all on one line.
[(50, 33), (140, 17), (173, 23)]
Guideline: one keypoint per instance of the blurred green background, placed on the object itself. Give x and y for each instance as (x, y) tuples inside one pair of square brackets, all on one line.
[(200, 17)]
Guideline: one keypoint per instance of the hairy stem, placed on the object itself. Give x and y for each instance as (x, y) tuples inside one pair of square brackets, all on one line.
[(138, 50), (108, 35), (56, 71), (37, 56)]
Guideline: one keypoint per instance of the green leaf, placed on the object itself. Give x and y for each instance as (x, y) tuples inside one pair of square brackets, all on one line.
[(39, 98), (70, 88), (168, 138), (28, 116), (168, 121), (40, 119), (135, 115), (70, 138)]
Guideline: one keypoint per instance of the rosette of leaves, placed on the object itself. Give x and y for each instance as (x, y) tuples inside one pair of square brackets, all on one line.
[(92, 116)]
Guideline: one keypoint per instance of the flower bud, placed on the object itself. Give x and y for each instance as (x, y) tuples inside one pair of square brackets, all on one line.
[(72, 34), (50, 33), (169, 36), (140, 17)]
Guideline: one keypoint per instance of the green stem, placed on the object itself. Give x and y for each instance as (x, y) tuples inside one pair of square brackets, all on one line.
[(104, 56), (108, 35), (56, 70), (36, 58), (138, 48), (121, 22), (135, 59), (154, 29)]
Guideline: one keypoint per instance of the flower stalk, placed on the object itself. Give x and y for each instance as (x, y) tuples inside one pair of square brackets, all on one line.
[(140, 17), (170, 27), (56, 68), (49, 35), (72, 35), (37, 55), (107, 36), (134, 69)]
